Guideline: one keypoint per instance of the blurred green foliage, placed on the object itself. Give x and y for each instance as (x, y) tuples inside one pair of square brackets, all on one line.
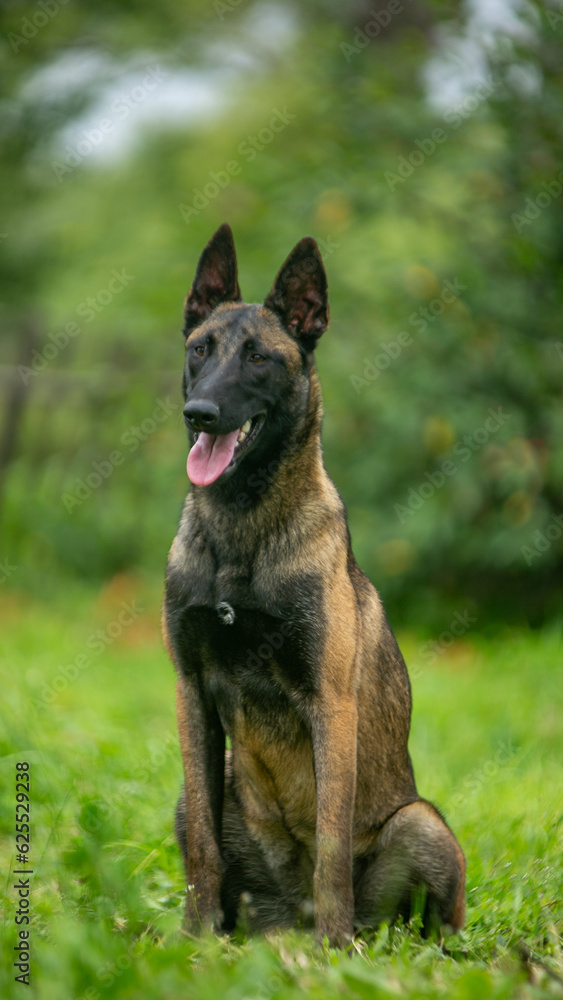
[(441, 222)]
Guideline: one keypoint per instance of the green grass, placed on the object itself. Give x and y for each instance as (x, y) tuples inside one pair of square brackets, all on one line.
[(108, 889)]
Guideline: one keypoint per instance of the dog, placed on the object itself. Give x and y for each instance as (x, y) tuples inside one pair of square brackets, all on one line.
[(281, 645)]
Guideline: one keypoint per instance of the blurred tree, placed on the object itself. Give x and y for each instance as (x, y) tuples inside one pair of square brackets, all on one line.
[(420, 144)]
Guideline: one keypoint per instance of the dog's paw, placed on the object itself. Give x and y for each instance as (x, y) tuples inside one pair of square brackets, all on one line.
[(197, 924), (201, 915), (336, 927)]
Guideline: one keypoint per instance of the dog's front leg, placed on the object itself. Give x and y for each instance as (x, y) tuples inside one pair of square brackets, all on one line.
[(202, 742), (334, 732)]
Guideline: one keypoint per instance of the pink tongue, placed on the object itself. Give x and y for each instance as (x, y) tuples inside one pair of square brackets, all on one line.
[(210, 456)]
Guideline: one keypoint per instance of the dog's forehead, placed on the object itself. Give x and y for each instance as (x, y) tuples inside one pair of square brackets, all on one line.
[(233, 323)]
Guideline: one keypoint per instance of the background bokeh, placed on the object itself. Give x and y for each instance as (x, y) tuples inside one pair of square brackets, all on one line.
[(420, 143)]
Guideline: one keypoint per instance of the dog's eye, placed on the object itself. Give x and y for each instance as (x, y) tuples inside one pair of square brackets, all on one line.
[(257, 359), (200, 350)]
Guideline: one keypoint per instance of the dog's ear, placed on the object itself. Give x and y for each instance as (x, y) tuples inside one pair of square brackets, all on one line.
[(215, 279), (300, 293)]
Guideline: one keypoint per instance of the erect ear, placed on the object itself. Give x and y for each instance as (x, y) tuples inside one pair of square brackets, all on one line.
[(300, 293), (215, 279)]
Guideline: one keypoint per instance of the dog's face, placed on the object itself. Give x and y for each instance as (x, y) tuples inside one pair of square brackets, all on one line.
[(246, 363)]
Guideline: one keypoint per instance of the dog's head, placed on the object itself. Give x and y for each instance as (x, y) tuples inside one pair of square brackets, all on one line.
[(246, 376)]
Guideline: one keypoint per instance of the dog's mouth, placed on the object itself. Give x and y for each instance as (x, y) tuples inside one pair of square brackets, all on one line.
[(214, 455)]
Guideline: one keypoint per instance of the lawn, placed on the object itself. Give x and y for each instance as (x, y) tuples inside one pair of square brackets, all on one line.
[(88, 698)]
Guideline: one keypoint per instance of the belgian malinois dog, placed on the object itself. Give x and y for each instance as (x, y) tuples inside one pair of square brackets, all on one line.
[(281, 644)]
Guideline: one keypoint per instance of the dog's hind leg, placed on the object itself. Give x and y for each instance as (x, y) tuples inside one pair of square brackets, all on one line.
[(265, 885), (417, 860)]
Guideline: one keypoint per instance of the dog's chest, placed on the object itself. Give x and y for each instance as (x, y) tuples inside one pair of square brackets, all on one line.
[(251, 666)]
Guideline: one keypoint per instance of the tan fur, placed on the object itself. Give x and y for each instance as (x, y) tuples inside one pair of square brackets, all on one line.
[(457, 917)]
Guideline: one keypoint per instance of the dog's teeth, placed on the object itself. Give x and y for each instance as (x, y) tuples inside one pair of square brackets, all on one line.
[(244, 431)]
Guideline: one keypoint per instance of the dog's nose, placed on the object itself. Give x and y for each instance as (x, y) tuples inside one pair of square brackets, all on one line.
[(201, 414)]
